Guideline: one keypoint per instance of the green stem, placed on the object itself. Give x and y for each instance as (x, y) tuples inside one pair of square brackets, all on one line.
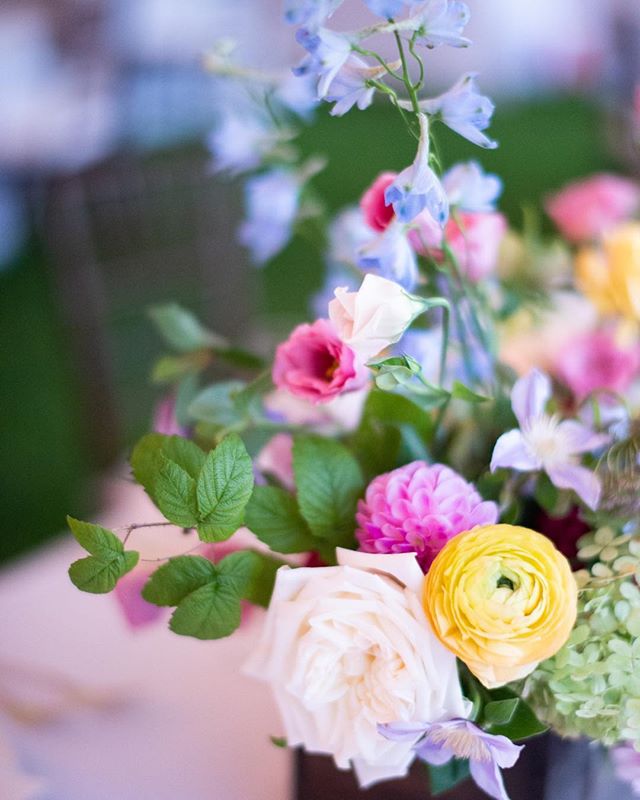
[(372, 54), (382, 87), (405, 73), (412, 44)]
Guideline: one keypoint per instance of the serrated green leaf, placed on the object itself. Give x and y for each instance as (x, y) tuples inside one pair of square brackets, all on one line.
[(99, 574), (254, 574), (95, 539), (153, 450), (216, 404), (182, 331), (223, 489), (447, 776), (175, 495), (210, 612), (175, 580), (273, 515), (460, 391), (329, 482)]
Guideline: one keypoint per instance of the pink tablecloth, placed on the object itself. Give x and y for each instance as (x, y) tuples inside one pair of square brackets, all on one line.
[(190, 726)]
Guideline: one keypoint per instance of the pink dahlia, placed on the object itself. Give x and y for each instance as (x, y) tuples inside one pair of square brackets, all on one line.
[(418, 508)]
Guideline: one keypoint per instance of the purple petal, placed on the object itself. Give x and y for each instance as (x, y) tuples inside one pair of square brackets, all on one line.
[(403, 731), (582, 480), (434, 753), (488, 777), (505, 753), (530, 395), (581, 439), (511, 451)]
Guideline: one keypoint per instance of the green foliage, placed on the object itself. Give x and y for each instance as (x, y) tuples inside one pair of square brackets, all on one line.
[(182, 331), (273, 515), (99, 572), (207, 492), (207, 596), (329, 483), (447, 776), (459, 391)]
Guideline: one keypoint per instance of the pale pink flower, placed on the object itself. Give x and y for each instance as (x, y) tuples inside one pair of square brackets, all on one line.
[(377, 213), (315, 364), (164, 418), (276, 458), (595, 360), (589, 208), (128, 592), (418, 508)]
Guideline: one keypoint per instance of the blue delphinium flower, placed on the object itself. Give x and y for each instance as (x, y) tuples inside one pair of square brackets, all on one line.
[(327, 53), (298, 95), (272, 204), (391, 256), (239, 142), (464, 110), (469, 188), (386, 8), (441, 22), (350, 86), (438, 742), (418, 187), (311, 13)]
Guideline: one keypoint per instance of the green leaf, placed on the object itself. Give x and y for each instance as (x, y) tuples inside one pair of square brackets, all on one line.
[(329, 482), (274, 517), (147, 458), (223, 489), (461, 392), (175, 580), (242, 359), (546, 494), (500, 712), (509, 715), (278, 741), (182, 331), (169, 369), (100, 575), (210, 612), (175, 495), (95, 539), (217, 404), (447, 776), (254, 574)]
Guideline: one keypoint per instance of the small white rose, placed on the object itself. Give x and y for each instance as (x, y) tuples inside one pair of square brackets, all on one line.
[(345, 648), (375, 316)]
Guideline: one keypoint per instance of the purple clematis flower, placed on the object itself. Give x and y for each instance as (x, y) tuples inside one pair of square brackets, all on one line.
[(350, 87), (311, 13), (440, 22), (470, 189), (545, 442), (327, 53), (464, 110), (438, 742), (391, 256), (418, 187)]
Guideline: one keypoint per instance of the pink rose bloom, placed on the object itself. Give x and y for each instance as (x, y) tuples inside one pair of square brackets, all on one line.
[(473, 236), (418, 508), (276, 458), (314, 363), (595, 360), (377, 213), (588, 209)]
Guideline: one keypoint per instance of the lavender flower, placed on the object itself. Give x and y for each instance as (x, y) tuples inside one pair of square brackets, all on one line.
[(239, 142), (391, 256), (311, 13), (350, 86), (544, 442), (437, 743), (388, 8), (298, 94), (470, 189), (418, 187), (348, 233), (440, 22), (272, 204), (327, 53), (464, 110)]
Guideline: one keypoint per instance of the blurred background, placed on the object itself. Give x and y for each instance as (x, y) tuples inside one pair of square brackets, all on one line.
[(108, 202)]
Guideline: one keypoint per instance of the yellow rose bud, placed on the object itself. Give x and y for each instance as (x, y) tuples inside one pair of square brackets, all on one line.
[(609, 275), (502, 598)]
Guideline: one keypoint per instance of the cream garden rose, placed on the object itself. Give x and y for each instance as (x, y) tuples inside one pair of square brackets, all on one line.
[(345, 648), (375, 316)]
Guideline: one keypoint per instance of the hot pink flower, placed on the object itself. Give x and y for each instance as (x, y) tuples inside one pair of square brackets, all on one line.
[(377, 213), (316, 364), (474, 238), (418, 508), (587, 209), (595, 360)]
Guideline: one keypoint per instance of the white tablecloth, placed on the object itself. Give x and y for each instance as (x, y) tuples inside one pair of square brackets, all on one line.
[(190, 725)]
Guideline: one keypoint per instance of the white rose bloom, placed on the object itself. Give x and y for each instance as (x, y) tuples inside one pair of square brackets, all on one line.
[(345, 648), (375, 316)]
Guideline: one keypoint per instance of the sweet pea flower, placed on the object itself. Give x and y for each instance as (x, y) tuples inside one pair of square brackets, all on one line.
[(298, 94), (418, 187), (348, 233), (311, 13), (588, 209), (543, 442), (464, 110), (374, 317), (377, 214), (239, 143), (469, 188), (391, 256), (315, 364), (327, 53), (272, 204), (350, 86), (439, 742), (440, 22), (388, 8)]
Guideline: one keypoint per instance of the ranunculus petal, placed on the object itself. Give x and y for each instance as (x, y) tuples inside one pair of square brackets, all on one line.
[(511, 451), (530, 395), (583, 481)]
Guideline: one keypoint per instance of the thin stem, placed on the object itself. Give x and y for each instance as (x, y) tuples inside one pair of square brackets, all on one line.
[(168, 558), (372, 54), (405, 74), (137, 525), (412, 44), (382, 87)]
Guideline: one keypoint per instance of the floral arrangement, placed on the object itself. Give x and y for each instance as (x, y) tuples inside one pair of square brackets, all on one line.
[(440, 472)]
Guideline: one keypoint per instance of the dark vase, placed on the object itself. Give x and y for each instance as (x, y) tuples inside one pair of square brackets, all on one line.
[(318, 779)]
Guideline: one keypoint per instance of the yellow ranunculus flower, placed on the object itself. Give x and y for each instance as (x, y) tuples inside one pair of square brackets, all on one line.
[(502, 598), (609, 275)]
